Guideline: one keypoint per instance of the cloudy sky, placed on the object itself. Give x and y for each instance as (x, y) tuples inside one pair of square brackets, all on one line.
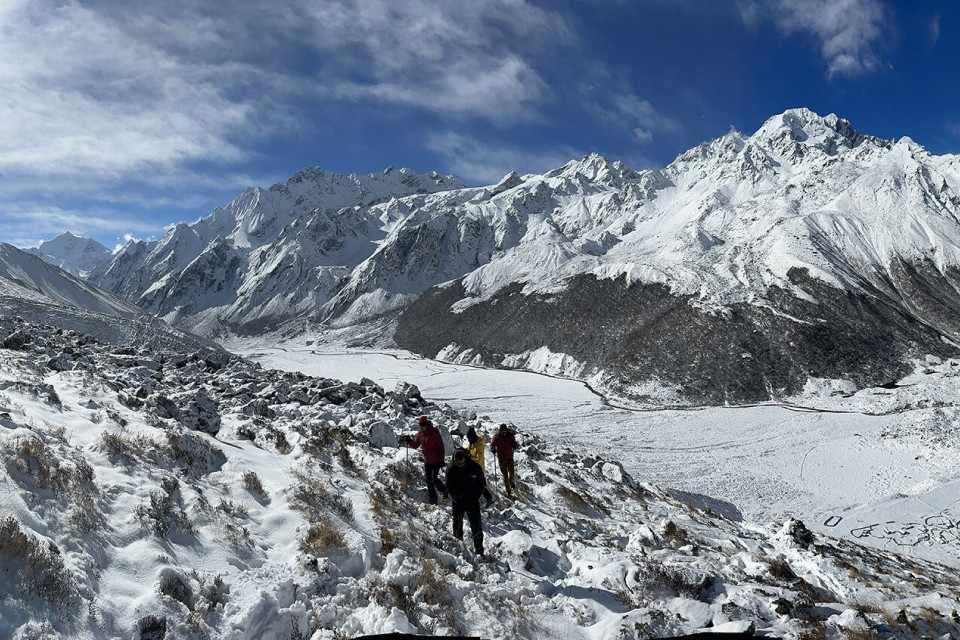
[(117, 118)]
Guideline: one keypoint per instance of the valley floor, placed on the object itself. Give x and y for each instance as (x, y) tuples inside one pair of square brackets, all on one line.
[(880, 468)]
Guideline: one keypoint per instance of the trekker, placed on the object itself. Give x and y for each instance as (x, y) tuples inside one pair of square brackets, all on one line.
[(429, 440), (504, 444), (477, 449), (466, 483)]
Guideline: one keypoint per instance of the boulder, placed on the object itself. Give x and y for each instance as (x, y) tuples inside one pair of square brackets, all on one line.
[(60, 362), (163, 406), (408, 391), (17, 341), (198, 411), (382, 435), (258, 407)]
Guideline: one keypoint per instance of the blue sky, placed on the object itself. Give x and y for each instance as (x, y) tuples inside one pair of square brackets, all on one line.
[(118, 118)]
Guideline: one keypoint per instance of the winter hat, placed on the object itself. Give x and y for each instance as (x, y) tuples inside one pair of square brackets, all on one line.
[(460, 455), (424, 421)]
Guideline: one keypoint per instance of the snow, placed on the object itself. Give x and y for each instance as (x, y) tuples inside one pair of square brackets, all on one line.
[(837, 460), (585, 552)]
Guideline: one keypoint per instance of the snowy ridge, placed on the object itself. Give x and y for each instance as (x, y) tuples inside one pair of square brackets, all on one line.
[(151, 493), (264, 256)]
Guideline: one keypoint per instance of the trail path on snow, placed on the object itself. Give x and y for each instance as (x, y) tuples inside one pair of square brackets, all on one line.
[(830, 468)]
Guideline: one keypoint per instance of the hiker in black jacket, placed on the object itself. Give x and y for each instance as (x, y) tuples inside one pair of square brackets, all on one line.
[(466, 483)]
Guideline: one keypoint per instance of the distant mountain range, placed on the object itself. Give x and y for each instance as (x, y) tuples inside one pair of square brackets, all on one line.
[(739, 272)]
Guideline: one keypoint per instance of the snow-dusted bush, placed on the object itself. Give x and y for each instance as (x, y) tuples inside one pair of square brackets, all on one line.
[(233, 509), (161, 512), (36, 567), (176, 586), (251, 482), (312, 495), (124, 446), (31, 457), (321, 538), (193, 452)]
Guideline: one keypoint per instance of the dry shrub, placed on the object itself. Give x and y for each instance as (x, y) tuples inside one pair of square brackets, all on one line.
[(577, 502), (214, 592), (431, 586), (381, 503), (321, 538), (312, 496), (388, 540), (232, 509), (251, 482), (32, 457), (126, 447), (39, 567), (676, 580), (161, 513)]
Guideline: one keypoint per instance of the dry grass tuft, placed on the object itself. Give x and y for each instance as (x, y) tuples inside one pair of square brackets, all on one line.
[(312, 496), (321, 538)]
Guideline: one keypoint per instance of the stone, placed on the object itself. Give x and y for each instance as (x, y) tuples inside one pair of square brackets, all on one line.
[(382, 435)]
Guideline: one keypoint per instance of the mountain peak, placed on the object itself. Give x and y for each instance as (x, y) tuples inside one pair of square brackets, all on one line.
[(802, 126), (594, 167), (72, 253)]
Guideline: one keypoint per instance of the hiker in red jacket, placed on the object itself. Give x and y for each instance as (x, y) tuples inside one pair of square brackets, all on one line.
[(504, 444), (429, 440)]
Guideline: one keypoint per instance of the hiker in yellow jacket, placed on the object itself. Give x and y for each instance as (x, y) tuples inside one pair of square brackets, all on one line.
[(477, 448)]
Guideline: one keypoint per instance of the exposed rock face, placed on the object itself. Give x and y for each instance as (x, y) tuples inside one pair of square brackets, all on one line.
[(644, 332)]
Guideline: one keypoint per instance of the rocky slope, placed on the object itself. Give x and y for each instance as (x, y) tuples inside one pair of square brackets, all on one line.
[(75, 255), (152, 493)]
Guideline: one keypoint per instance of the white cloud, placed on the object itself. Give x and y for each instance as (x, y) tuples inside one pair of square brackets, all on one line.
[(636, 114), (109, 90), (99, 94), (461, 59), (849, 32), (485, 163)]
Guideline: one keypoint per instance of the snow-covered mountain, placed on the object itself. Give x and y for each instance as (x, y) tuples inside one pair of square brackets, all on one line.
[(31, 287), (267, 256), (79, 256), (745, 267), (159, 495), (26, 276)]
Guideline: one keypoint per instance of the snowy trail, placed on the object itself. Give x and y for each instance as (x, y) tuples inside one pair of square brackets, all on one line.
[(768, 459)]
